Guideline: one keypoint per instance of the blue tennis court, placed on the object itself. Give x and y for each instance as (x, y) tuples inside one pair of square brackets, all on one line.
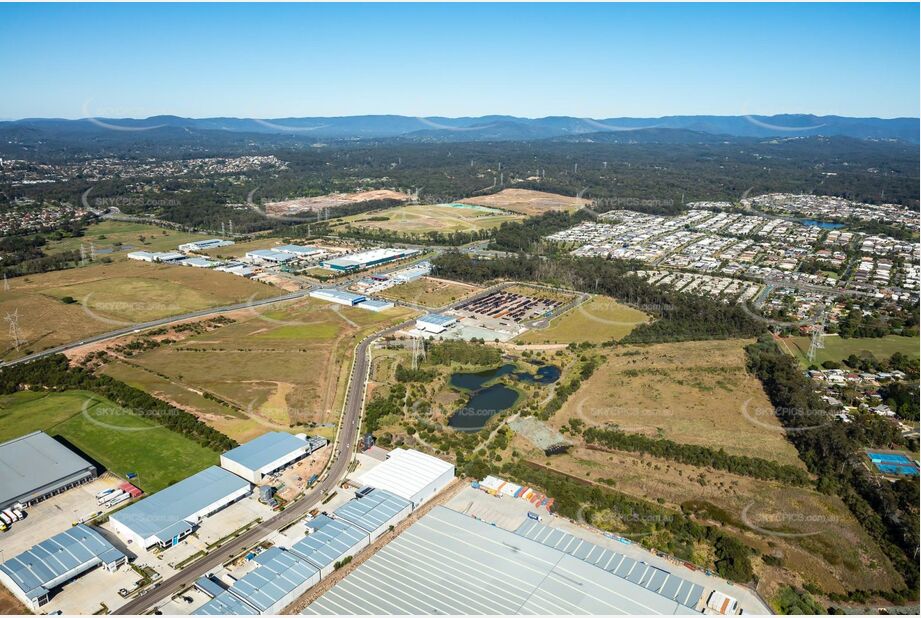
[(893, 463)]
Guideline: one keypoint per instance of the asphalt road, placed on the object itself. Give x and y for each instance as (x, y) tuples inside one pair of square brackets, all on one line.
[(161, 322), (344, 445)]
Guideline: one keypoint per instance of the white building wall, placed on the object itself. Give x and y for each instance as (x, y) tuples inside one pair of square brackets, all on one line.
[(397, 518), (430, 490), (219, 504), (129, 535), (7, 581), (253, 476)]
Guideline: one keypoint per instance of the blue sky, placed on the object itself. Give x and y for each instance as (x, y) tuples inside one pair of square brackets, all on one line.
[(454, 60)]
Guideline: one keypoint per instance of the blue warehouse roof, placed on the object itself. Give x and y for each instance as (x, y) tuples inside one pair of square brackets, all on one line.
[(164, 512), (41, 567), (372, 510), (265, 449), (225, 604), (437, 318), (332, 539), (280, 573)]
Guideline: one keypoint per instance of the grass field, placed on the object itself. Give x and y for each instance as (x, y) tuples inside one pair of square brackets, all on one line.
[(597, 320), (115, 239), (419, 219), (430, 292), (838, 348), (281, 369), (528, 202), (695, 392), (116, 438), (110, 296)]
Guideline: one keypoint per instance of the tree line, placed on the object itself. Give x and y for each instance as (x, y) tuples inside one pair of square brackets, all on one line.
[(54, 373)]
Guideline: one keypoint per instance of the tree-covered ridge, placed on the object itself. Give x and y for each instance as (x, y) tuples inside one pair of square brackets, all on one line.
[(888, 511)]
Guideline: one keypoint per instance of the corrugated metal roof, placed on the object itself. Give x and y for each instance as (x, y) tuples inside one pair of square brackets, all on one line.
[(298, 249), (439, 319), (649, 577), (373, 510), (265, 449), (449, 563), (226, 604), (332, 539), (76, 549), (178, 502), (280, 572), (405, 472), (33, 461), (334, 293)]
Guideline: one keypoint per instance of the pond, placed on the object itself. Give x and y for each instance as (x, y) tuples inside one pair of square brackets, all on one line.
[(825, 225), (484, 403)]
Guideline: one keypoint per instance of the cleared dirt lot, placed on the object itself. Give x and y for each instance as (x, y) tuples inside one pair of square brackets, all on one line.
[(528, 202), (307, 204), (691, 392), (422, 218)]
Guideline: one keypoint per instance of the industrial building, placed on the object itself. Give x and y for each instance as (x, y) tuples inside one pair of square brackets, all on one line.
[(226, 603), (33, 575), (374, 511), (279, 579), (35, 466), (338, 296), (160, 256), (300, 251), (449, 563), (651, 578), (269, 256), (199, 262), (269, 452), (329, 542), (367, 259), (237, 268), (410, 474), (172, 513), (202, 245), (435, 322), (376, 305)]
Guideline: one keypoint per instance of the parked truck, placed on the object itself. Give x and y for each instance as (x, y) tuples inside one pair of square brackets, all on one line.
[(122, 497)]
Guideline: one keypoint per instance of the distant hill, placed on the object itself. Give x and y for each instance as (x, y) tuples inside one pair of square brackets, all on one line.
[(483, 128)]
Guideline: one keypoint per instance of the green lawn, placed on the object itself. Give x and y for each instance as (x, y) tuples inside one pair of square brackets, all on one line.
[(118, 439), (838, 348), (597, 320)]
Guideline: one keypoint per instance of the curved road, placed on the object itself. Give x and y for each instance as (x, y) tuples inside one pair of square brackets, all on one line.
[(127, 330), (344, 447)]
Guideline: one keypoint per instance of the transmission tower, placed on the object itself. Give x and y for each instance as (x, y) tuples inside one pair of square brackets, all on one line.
[(818, 335), (6, 284), (92, 252), (13, 320), (418, 351)]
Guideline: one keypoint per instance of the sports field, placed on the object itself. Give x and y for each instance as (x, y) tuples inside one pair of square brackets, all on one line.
[(110, 296), (115, 239), (528, 202), (697, 392), (429, 292), (280, 369), (116, 438), (838, 348), (597, 320), (422, 218)]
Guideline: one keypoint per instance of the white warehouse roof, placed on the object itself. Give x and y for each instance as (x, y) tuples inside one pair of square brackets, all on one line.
[(266, 449), (406, 473)]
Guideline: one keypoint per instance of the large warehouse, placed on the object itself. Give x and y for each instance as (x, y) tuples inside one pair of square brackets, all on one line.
[(269, 452), (36, 466), (35, 573), (410, 474), (279, 579), (374, 511), (367, 259), (172, 513), (435, 322), (449, 563), (330, 541), (338, 296)]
